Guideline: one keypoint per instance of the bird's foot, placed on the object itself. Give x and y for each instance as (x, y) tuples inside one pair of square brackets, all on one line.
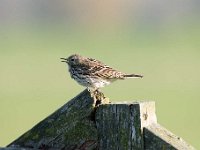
[(98, 96)]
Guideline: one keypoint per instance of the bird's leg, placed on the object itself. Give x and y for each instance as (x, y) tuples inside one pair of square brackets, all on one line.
[(97, 95)]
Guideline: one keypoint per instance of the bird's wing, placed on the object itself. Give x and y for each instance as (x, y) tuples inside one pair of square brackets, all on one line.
[(97, 68)]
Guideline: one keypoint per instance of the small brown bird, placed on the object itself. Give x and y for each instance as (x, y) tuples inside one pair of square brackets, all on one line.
[(92, 73)]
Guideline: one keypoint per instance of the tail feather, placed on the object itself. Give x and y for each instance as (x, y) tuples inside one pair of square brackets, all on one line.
[(132, 76)]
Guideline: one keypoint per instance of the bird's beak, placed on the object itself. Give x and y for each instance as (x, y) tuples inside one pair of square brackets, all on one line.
[(64, 60)]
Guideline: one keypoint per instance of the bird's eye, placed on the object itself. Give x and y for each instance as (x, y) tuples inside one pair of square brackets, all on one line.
[(72, 59)]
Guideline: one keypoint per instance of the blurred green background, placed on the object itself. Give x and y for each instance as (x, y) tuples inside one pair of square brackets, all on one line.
[(159, 39)]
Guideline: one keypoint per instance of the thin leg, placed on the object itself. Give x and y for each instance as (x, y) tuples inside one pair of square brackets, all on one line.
[(97, 95)]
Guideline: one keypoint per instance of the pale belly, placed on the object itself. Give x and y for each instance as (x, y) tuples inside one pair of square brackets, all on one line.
[(92, 82), (89, 82), (99, 83)]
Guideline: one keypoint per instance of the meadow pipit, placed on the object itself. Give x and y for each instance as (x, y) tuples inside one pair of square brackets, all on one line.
[(92, 73)]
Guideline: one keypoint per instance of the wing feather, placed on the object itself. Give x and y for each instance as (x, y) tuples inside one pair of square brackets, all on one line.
[(96, 68)]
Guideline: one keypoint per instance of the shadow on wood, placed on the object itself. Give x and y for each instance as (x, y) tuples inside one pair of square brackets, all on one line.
[(82, 125)]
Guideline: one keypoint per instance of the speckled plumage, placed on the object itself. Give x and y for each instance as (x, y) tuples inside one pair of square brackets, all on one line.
[(92, 73)]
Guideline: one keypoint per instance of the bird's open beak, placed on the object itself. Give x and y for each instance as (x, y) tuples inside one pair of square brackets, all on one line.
[(64, 60)]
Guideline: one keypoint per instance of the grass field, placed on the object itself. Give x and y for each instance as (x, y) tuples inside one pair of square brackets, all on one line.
[(34, 83)]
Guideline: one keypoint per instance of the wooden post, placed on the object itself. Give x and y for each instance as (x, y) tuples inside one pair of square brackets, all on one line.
[(70, 127), (157, 137), (120, 126), (81, 124)]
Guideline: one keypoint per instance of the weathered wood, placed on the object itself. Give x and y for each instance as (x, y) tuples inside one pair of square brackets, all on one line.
[(157, 137), (14, 148), (120, 125), (83, 124), (70, 127)]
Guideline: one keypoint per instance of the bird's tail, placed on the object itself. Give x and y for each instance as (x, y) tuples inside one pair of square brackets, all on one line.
[(133, 76)]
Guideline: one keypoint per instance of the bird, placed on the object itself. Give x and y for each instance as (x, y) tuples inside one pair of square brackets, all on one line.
[(92, 73)]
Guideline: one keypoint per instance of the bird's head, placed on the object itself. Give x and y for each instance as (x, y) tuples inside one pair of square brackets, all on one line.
[(72, 60)]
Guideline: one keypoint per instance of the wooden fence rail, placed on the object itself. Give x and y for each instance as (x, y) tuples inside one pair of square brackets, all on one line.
[(86, 123)]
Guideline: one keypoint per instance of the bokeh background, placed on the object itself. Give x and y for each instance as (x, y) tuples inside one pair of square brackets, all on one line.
[(159, 39)]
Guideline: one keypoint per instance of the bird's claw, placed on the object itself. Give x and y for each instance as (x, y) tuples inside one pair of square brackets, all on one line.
[(97, 95)]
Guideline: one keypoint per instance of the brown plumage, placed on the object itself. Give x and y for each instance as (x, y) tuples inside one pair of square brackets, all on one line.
[(92, 73)]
